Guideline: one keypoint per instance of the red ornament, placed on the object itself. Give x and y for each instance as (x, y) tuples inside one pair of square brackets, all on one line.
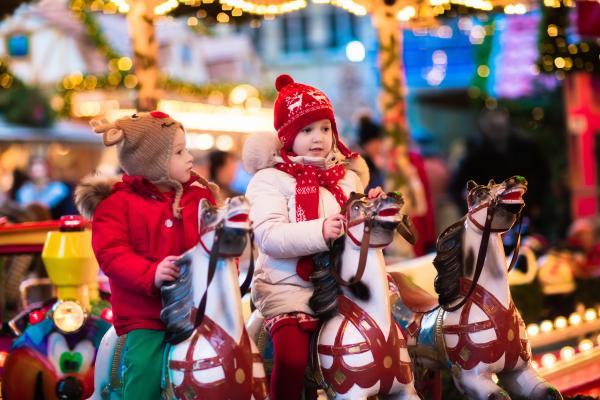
[(36, 316), (107, 315), (159, 114)]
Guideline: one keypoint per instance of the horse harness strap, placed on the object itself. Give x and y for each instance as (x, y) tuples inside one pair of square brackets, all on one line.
[(506, 323), (248, 280), (485, 238), (235, 359), (386, 365), (218, 228), (212, 267)]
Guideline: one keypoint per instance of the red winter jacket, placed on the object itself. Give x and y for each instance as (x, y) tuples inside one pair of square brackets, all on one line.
[(133, 229)]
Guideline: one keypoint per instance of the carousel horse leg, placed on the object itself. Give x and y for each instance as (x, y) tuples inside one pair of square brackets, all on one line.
[(477, 386), (525, 382)]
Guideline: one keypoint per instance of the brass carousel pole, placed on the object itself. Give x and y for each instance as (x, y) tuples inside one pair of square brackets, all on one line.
[(140, 19)]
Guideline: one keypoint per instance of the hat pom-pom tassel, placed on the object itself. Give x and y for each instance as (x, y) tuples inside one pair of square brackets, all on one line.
[(282, 81)]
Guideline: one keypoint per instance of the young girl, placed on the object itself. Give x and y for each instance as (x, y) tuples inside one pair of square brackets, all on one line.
[(296, 198), (140, 224)]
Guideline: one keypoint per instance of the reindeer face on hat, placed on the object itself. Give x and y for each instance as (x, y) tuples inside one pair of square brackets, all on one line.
[(144, 142)]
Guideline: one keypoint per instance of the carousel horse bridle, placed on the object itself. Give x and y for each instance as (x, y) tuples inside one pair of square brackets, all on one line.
[(365, 244), (487, 230), (214, 255)]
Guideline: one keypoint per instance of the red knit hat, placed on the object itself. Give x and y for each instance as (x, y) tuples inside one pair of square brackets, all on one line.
[(298, 106)]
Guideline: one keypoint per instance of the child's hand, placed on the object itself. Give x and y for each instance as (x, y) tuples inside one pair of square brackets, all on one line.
[(333, 227), (166, 271), (375, 192)]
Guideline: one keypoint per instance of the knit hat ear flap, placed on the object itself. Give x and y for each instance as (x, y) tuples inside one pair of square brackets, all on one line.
[(111, 135)]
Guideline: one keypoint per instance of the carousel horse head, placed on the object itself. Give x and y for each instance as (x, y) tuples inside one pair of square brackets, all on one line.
[(492, 208), (380, 216), (230, 221), (370, 224), (223, 232), (502, 203)]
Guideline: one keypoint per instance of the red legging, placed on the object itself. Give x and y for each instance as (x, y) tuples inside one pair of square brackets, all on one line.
[(290, 348)]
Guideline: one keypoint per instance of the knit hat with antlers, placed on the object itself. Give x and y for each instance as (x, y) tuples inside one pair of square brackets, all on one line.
[(297, 106), (144, 141)]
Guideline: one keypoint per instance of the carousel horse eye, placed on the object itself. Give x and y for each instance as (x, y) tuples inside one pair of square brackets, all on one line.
[(134, 116)]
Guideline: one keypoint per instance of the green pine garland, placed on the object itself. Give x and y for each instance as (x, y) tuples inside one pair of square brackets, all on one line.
[(117, 79)]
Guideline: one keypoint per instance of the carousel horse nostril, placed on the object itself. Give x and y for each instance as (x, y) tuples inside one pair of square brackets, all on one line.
[(69, 388)]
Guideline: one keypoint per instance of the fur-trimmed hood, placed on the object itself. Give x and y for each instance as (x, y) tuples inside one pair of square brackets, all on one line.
[(261, 151), (91, 191), (94, 188)]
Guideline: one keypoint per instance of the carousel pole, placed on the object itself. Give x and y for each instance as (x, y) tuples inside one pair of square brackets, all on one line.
[(140, 20), (391, 98), (393, 93)]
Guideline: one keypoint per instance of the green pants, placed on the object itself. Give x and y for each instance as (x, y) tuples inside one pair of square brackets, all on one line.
[(143, 363)]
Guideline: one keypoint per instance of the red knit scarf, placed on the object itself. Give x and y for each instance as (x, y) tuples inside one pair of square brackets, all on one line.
[(308, 180)]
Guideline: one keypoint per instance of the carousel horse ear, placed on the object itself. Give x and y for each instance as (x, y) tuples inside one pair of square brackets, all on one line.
[(406, 230), (471, 185), (491, 182), (204, 204)]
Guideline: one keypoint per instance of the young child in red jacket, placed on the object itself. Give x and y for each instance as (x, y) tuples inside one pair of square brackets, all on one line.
[(139, 227)]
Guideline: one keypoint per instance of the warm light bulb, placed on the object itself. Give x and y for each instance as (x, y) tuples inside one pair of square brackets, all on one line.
[(567, 352), (586, 345), (560, 322), (590, 314), (574, 319), (548, 360), (546, 326), (533, 329)]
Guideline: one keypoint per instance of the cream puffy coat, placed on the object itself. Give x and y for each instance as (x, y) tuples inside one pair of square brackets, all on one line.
[(281, 241)]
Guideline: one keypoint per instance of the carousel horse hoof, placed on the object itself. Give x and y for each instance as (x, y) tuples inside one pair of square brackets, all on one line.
[(544, 391), (499, 395)]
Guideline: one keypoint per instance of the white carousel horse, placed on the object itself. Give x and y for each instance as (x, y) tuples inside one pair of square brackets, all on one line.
[(211, 355), (361, 351), (476, 331)]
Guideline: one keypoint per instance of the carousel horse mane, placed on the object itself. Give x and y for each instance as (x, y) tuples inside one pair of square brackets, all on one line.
[(448, 263), (324, 299), (178, 302)]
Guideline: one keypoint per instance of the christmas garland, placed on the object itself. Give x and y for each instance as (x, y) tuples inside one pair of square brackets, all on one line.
[(22, 104), (120, 74)]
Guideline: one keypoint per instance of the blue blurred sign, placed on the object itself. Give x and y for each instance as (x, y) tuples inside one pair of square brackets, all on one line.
[(441, 57)]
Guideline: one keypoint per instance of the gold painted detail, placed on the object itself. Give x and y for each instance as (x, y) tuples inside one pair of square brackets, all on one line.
[(339, 377), (240, 376), (354, 349), (387, 361), (510, 335), (465, 354)]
